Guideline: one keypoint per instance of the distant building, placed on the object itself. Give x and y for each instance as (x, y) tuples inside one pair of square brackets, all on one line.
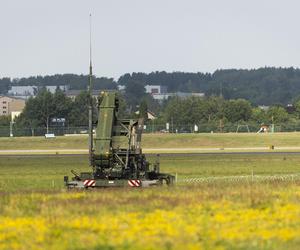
[(185, 94), (150, 89), (290, 108), (155, 89), (121, 88), (27, 91), (159, 92), (263, 107), (10, 104), (22, 91), (52, 89), (73, 93), (161, 97)]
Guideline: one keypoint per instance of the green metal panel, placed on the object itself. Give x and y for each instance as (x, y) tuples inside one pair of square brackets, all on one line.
[(119, 142), (103, 140)]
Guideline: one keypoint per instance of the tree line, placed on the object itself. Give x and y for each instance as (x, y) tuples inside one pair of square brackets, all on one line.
[(212, 113), (195, 110), (263, 86), (75, 82)]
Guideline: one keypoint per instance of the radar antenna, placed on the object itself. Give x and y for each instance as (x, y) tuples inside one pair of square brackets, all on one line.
[(90, 99)]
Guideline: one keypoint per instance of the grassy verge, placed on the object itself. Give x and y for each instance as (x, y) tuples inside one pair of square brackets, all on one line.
[(150, 141), (36, 173)]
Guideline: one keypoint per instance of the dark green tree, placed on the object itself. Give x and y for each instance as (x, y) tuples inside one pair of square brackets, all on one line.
[(143, 110), (79, 113), (237, 110), (122, 112), (174, 113), (63, 105), (259, 116), (277, 114), (4, 85), (4, 120), (134, 92), (39, 110)]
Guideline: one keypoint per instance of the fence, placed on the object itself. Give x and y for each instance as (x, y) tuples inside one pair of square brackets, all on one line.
[(152, 127), (216, 128), (17, 131)]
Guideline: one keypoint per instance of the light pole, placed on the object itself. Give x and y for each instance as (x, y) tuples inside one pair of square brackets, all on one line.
[(11, 129)]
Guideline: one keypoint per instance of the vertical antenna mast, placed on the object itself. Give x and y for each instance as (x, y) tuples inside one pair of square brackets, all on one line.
[(90, 88)]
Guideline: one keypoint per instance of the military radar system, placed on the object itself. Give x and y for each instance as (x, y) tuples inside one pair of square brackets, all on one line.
[(116, 155)]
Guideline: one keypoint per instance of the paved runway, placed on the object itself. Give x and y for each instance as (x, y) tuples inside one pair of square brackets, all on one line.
[(160, 150), (167, 152), (152, 154)]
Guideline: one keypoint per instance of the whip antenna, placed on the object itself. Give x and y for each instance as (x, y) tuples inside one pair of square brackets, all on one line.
[(90, 101)]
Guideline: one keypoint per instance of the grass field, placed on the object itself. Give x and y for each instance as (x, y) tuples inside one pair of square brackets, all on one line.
[(36, 173), (229, 140), (36, 212)]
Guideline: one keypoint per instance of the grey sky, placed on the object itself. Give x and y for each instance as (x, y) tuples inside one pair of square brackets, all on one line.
[(40, 37)]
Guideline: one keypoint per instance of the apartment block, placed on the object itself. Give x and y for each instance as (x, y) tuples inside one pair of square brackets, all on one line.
[(10, 104)]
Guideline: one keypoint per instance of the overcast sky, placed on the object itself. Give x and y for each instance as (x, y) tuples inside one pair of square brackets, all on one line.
[(40, 37)]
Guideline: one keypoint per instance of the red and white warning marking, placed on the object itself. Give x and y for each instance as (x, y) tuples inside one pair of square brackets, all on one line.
[(134, 183), (89, 183)]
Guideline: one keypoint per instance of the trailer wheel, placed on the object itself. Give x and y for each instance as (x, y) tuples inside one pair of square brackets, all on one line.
[(166, 180)]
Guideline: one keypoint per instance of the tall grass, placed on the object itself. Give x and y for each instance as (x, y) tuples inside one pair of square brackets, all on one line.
[(37, 213)]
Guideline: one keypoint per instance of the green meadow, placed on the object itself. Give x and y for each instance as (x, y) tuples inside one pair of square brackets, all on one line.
[(220, 201)]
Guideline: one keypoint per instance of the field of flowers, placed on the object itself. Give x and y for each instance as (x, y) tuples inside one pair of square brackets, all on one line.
[(219, 216), (207, 215)]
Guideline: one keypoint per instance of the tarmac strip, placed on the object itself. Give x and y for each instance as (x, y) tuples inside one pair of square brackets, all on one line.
[(162, 151)]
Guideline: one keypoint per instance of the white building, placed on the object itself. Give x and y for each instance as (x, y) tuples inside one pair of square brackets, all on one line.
[(121, 88), (52, 89), (264, 107), (150, 89), (22, 90), (165, 96), (159, 92), (27, 91), (155, 89)]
